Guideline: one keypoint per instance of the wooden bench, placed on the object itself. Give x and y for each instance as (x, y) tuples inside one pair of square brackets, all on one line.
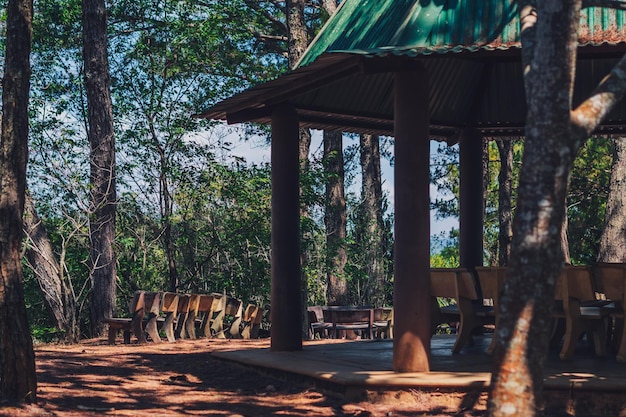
[(348, 320), (491, 279), (578, 311), (383, 322), (458, 284), (228, 319), (251, 321), (207, 305), (187, 312), (144, 309), (315, 318), (611, 280), (169, 308)]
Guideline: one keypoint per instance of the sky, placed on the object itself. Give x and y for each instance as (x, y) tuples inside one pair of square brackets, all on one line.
[(256, 151)]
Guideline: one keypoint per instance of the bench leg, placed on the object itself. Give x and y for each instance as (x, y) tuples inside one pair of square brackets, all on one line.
[(246, 332), (127, 336), (180, 332), (168, 327), (112, 335), (152, 330), (218, 326), (190, 325)]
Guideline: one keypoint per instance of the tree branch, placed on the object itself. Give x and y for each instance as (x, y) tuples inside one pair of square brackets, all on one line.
[(271, 38), (276, 22), (528, 20), (609, 92)]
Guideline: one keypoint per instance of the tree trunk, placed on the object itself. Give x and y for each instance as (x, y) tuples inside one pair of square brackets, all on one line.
[(18, 380), (102, 162), (335, 219), (297, 36), (57, 292), (298, 40), (554, 134), (371, 216), (505, 194), (613, 239), (491, 252), (166, 215), (564, 240)]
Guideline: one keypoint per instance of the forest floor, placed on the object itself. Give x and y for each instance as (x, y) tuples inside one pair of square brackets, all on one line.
[(183, 379)]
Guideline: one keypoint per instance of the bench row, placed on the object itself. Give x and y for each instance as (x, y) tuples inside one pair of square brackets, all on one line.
[(181, 316)]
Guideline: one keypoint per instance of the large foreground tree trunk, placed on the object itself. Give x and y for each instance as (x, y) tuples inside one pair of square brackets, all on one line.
[(57, 291), (335, 219), (554, 134), (18, 381), (371, 218), (102, 161), (613, 239)]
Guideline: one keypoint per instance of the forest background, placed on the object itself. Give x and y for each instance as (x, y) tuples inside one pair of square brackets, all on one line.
[(191, 214)]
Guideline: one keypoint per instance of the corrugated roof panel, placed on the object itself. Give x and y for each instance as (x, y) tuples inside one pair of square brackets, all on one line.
[(602, 26), (457, 83), (373, 24), (414, 27)]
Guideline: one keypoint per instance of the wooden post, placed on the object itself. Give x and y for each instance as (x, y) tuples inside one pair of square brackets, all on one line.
[(471, 199), (411, 296), (286, 310)]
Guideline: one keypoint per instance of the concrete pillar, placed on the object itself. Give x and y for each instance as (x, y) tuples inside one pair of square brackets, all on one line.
[(411, 294), (286, 310), (471, 199)]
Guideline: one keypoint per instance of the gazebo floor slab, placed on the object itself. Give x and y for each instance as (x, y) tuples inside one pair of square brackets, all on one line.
[(586, 385)]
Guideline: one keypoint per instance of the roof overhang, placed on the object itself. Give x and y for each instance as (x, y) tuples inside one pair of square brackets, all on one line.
[(353, 92)]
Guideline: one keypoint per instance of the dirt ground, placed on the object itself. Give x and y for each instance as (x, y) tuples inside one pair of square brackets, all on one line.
[(183, 379)]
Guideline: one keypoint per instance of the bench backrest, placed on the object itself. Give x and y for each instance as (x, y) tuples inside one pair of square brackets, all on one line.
[(317, 312), (346, 315), (610, 278), (205, 303), (233, 307), (145, 302), (574, 282), (253, 314), (383, 313), (169, 303), (452, 283), (491, 279)]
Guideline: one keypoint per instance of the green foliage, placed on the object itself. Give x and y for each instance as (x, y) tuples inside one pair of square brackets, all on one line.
[(586, 201), (444, 175), (45, 334), (447, 255), (587, 196)]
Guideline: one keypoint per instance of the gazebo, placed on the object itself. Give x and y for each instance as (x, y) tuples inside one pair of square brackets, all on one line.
[(447, 70)]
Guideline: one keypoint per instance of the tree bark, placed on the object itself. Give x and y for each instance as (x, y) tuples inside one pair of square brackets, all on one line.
[(57, 292), (335, 219), (297, 42), (371, 216), (564, 239), (505, 194), (297, 35), (536, 254), (18, 381), (102, 162), (554, 134), (613, 239)]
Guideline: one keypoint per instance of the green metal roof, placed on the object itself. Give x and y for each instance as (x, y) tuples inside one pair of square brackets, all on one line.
[(470, 49), (419, 27)]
